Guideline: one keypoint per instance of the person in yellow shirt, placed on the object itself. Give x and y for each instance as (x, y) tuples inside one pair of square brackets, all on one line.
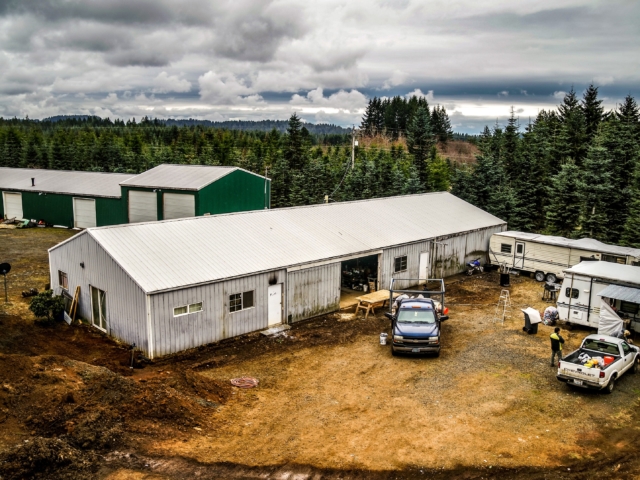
[(556, 345)]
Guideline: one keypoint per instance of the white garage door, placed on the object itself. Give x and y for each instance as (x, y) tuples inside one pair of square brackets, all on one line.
[(178, 205), (143, 206), (84, 212), (12, 205)]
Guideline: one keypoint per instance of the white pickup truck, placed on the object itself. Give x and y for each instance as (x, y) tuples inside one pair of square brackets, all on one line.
[(619, 355)]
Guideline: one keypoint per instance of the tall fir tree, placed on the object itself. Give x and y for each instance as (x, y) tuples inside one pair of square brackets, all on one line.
[(573, 136), (596, 190), (593, 111), (419, 143), (565, 202)]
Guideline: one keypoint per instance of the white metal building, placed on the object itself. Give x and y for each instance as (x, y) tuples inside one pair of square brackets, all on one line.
[(177, 284), (547, 256)]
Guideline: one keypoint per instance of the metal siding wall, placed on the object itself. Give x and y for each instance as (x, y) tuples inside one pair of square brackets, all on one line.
[(215, 322), (111, 211), (53, 208), (126, 309), (387, 266), (451, 260), (313, 291), (236, 192)]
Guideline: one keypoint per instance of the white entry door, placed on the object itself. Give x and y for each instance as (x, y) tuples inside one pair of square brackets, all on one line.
[(84, 212), (518, 258), (178, 205), (143, 206), (275, 304), (423, 269), (12, 205)]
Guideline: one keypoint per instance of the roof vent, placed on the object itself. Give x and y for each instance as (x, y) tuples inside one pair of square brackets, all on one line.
[(33, 182)]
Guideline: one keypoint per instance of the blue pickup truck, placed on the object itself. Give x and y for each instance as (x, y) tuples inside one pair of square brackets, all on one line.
[(416, 325)]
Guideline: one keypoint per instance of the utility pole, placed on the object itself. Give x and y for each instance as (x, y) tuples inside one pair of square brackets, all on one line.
[(354, 144)]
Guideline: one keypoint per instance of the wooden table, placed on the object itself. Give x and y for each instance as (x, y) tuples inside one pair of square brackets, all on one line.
[(371, 301)]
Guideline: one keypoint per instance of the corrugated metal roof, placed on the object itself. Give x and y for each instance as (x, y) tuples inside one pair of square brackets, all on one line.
[(94, 184), (626, 294), (180, 177), (176, 253), (588, 244), (608, 271)]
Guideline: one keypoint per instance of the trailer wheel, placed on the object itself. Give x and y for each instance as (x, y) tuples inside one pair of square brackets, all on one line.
[(551, 278), (539, 276), (634, 369), (610, 386)]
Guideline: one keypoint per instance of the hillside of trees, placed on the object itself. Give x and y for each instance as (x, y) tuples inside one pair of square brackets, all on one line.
[(574, 171)]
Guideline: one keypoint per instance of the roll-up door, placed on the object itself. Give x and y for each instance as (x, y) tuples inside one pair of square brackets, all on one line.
[(84, 212), (12, 205), (178, 205), (143, 206)]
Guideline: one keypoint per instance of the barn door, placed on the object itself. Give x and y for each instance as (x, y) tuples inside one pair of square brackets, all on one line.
[(143, 206), (84, 212), (423, 269), (178, 205), (12, 205), (275, 304), (99, 308)]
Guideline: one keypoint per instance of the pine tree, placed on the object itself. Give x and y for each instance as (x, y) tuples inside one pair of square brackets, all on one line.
[(413, 184), (573, 136), (511, 146), (439, 173), (596, 190), (462, 183), (441, 124), (294, 146), (565, 202), (419, 142), (631, 233), (12, 151), (593, 111)]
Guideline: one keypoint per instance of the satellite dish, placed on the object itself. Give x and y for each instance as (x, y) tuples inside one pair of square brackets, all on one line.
[(4, 268)]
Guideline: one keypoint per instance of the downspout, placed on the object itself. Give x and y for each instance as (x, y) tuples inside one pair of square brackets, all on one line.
[(149, 329), (573, 276)]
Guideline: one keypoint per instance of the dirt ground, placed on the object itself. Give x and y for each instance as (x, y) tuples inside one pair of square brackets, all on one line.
[(331, 403)]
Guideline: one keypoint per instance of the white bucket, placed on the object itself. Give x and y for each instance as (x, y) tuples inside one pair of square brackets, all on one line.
[(383, 339)]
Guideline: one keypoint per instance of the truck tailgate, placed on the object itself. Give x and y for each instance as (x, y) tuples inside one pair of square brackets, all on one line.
[(580, 372)]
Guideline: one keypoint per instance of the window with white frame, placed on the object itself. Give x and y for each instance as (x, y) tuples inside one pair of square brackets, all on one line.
[(505, 248), (63, 280), (187, 309), (240, 301), (400, 264)]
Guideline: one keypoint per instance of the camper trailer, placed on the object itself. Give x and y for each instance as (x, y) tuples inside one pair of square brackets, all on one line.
[(592, 290), (547, 256)]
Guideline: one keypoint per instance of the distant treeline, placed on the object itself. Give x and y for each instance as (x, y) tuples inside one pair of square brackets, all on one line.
[(304, 167), (573, 172)]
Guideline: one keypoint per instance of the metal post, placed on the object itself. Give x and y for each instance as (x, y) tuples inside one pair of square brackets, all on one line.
[(353, 147)]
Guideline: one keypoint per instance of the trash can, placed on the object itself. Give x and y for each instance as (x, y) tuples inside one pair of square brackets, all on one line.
[(531, 320), (504, 280)]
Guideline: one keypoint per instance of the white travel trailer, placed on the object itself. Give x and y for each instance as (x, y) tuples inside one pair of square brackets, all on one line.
[(589, 287), (548, 256)]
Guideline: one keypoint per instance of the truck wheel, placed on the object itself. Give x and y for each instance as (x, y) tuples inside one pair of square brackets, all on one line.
[(539, 276), (551, 278), (393, 352), (634, 369), (610, 386), (437, 354)]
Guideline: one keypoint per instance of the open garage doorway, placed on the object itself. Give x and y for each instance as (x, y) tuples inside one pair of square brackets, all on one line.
[(358, 276)]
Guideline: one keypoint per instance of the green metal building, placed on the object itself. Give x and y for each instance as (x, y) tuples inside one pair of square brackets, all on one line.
[(90, 199)]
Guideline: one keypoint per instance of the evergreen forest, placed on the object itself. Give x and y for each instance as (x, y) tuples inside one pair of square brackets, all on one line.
[(573, 171)]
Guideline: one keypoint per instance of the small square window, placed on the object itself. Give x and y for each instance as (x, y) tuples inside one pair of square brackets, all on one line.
[(400, 264), (629, 307), (63, 281), (614, 259), (235, 302), (519, 248), (241, 301), (180, 311), (505, 248), (572, 292), (195, 307)]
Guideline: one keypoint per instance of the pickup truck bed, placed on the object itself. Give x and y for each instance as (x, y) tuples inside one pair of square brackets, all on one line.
[(573, 372)]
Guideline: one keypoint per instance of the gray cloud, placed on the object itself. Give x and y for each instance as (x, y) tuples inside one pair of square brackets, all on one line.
[(264, 58)]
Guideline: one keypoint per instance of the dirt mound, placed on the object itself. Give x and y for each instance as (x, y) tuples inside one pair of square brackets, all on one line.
[(47, 458)]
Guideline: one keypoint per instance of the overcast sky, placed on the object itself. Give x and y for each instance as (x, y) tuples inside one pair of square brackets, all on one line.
[(261, 59)]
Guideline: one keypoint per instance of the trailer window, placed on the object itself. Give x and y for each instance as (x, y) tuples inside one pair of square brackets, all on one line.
[(400, 264), (63, 280), (240, 301), (572, 292), (614, 259), (629, 307), (505, 248)]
